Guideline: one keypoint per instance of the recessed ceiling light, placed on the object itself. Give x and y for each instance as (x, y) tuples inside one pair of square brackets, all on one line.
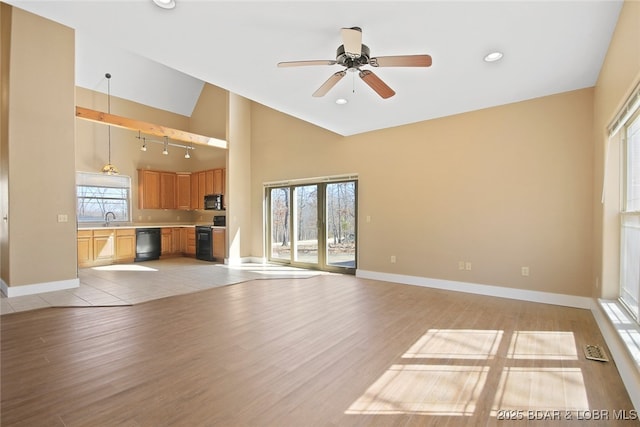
[(341, 101), (165, 4), (493, 56)]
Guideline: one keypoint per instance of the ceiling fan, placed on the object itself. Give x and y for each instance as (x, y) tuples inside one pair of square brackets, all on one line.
[(353, 55)]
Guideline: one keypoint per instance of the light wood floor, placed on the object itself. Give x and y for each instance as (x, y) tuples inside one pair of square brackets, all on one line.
[(323, 351)]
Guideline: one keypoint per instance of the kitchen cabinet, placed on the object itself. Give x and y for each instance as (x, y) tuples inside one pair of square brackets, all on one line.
[(104, 246), (208, 182), (183, 191), (167, 190), (166, 241), (194, 192), (202, 186), (85, 248), (148, 189), (191, 241), (178, 190), (176, 241), (219, 243), (125, 250), (218, 181)]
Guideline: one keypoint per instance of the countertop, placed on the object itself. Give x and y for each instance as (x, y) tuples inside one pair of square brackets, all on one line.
[(94, 226)]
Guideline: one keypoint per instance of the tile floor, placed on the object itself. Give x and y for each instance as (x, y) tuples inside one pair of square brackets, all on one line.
[(127, 284)]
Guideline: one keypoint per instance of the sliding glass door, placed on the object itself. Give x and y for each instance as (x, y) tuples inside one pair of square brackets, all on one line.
[(341, 224), (313, 225)]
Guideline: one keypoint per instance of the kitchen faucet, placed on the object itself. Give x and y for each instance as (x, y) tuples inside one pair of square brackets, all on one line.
[(106, 218)]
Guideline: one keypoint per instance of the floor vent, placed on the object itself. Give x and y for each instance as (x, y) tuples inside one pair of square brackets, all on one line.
[(595, 352)]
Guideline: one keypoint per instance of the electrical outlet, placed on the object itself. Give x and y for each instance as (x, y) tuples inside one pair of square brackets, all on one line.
[(525, 271), (467, 265), (460, 265), (393, 259)]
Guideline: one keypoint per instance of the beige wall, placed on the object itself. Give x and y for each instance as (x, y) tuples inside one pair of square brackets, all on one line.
[(502, 188), (40, 148), (92, 146), (619, 75), (239, 222), (5, 45), (209, 116)]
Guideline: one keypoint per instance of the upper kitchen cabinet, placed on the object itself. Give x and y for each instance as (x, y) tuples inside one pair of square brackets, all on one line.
[(206, 182), (148, 189), (156, 189), (167, 190), (183, 192), (218, 181)]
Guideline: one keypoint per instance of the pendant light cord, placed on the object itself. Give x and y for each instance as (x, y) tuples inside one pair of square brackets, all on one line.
[(108, 76)]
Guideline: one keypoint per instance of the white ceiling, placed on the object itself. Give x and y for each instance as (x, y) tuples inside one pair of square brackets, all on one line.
[(162, 57)]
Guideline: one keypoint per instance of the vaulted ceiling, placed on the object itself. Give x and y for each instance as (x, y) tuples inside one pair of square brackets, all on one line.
[(163, 57)]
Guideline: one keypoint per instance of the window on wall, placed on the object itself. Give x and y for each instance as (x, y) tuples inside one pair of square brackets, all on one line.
[(98, 194), (630, 219)]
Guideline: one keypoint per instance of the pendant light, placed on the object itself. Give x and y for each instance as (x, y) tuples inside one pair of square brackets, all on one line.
[(109, 169)]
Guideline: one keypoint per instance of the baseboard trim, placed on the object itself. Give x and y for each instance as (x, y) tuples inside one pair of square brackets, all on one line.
[(479, 289), (244, 260), (38, 288)]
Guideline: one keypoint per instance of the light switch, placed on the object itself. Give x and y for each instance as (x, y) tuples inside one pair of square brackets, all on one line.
[(63, 218)]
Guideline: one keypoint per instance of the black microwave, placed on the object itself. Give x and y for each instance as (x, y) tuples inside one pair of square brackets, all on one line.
[(213, 202)]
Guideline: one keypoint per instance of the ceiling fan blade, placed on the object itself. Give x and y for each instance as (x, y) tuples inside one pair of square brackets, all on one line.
[(376, 84), (331, 82), (303, 63), (352, 41), (401, 61)]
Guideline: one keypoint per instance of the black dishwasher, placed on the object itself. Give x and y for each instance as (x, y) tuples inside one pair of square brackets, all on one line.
[(147, 244), (204, 243)]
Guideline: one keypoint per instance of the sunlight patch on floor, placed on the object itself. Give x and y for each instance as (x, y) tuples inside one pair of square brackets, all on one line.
[(543, 345), (424, 389), (421, 382), (456, 344), (124, 267), (542, 389)]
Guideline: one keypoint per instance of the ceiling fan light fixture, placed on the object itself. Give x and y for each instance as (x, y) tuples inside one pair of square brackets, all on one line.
[(341, 101), (493, 56), (165, 4)]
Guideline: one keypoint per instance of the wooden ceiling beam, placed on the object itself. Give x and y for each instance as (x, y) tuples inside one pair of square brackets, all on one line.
[(147, 128)]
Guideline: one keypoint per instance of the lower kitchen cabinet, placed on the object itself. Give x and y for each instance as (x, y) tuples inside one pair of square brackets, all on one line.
[(166, 242), (118, 245), (219, 244), (176, 241), (125, 245), (191, 241), (106, 246), (104, 250), (85, 248)]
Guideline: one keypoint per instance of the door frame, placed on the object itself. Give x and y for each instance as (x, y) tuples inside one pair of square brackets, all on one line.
[(321, 218)]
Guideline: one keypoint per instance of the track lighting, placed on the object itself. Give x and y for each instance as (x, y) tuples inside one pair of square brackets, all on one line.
[(166, 146), (165, 143)]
